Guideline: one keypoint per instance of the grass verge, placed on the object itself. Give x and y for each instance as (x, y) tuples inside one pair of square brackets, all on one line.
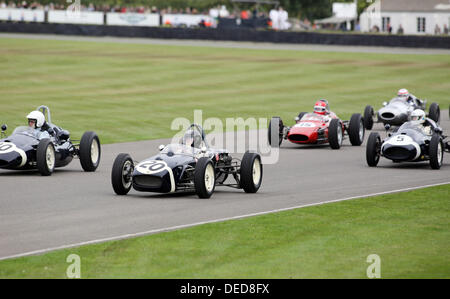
[(408, 231), (129, 92)]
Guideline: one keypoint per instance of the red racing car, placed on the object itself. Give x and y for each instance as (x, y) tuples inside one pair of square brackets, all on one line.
[(320, 127)]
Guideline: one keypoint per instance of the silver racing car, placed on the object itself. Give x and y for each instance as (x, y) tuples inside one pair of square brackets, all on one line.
[(397, 112)]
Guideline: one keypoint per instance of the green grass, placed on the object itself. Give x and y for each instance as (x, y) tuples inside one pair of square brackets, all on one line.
[(408, 231), (128, 92)]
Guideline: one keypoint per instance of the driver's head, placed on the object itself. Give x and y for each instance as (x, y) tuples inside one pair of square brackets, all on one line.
[(418, 116), (403, 94), (192, 138), (35, 119), (321, 107)]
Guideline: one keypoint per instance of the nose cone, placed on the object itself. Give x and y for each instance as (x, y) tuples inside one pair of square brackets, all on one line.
[(300, 134), (10, 160), (392, 116)]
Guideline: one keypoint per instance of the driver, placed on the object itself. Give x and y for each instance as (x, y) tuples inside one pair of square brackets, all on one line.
[(36, 120), (427, 125), (192, 138), (409, 98), (321, 107)]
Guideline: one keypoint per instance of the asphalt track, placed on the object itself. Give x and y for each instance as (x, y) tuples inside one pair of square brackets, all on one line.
[(71, 208), (232, 44)]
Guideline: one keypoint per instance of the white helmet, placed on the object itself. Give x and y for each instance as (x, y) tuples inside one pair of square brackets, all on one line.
[(38, 116), (403, 93), (192, 138), (418, 116)]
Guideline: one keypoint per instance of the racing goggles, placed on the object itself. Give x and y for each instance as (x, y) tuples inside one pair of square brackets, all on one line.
[(320, 109)]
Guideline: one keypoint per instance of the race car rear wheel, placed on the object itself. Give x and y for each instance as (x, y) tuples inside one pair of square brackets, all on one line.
[(121, 174), (204, 178), (436, 152), (90, 151), (280, 130), (356, 129), (251, 172), (434, 112), (368, 117), (45, 157), (373, 149), (335, 134)]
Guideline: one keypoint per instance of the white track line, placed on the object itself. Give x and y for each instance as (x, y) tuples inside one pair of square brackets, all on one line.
[(160, 230)]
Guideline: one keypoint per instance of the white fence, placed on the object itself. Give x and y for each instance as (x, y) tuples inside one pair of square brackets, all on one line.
[(132, 19), (82, 17), (22, 15), (100, 18)]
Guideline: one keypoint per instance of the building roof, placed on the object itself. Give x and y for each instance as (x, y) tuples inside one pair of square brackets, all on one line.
[(414, 5)]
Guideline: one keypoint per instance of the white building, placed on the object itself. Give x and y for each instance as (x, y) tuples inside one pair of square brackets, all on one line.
[(414, 16)]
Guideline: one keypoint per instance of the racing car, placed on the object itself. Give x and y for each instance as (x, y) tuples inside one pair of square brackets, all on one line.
[(313, 128), (408, 144), (397, 112), (187, 166), (26, 149)]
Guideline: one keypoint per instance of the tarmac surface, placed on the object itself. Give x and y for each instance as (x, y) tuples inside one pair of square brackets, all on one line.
[(72, 208), (232, 44)]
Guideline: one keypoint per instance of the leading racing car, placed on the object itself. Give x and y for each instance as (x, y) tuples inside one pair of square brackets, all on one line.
[(44, 146), (418, 140), (320, 127), (188, 166), (398, 110)]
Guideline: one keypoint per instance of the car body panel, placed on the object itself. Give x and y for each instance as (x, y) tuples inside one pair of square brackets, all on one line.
[(409, 143), (311, 129), (396, 112)]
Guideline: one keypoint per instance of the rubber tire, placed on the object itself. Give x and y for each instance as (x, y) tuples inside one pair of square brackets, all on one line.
[(372, 157), (199, 178), (41, 157), (301, 114), (269, 131), (356, 122), (368, 117), (116, 174), (332, 133), (85, 151), (434, 112), (247, 172), (434, 161)]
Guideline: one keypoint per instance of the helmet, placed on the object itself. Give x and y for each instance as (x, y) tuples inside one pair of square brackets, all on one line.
[(192, 138), (321, 107), (418, 116), (403, 93), (38, 117)]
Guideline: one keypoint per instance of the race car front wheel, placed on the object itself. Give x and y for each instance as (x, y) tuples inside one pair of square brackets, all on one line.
[(45, 157), (204, 178), (373, 149), (121, 174), (368, 117), (335, 134), (436, 151), (356, 129), (90, 151), (434, 112), (251, 172), (273, 122)]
